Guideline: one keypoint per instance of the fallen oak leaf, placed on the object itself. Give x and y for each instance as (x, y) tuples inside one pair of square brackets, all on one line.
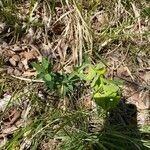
[(16, 58), (12, 117), (30, 55), (12, 62), (26, 56), (25, 63), (9, 130)]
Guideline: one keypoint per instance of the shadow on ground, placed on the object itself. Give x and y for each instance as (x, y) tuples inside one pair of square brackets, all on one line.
[(123, 119)]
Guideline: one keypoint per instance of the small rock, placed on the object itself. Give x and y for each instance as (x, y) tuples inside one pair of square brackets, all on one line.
[(12, 62), (16, 58)]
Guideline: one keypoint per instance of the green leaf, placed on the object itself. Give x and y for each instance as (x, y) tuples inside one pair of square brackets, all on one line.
[(47, 77), (86, 72), (72, 75), (110, 90), (95, 81), (106, 102), (40, 75), (100, 66), (45, 63), (70, 87), (38, 67), (101, 71), (90, 75)]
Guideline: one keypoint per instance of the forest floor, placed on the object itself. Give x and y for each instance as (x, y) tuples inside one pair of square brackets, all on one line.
[(115, 33)]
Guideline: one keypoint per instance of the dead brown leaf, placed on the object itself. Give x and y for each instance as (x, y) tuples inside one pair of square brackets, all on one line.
[(17, 72), (29, 74), (30, 55), (12, 117), (16, 58), (12, 62)]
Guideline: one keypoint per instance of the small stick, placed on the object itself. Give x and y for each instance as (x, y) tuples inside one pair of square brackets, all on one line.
[(26, 79)]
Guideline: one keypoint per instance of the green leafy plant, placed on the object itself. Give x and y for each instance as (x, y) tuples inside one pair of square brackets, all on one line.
[(105, 92), (44, 70), (60, 82)]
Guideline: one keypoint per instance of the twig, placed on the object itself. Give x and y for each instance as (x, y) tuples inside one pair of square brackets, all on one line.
[(26, 79)]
